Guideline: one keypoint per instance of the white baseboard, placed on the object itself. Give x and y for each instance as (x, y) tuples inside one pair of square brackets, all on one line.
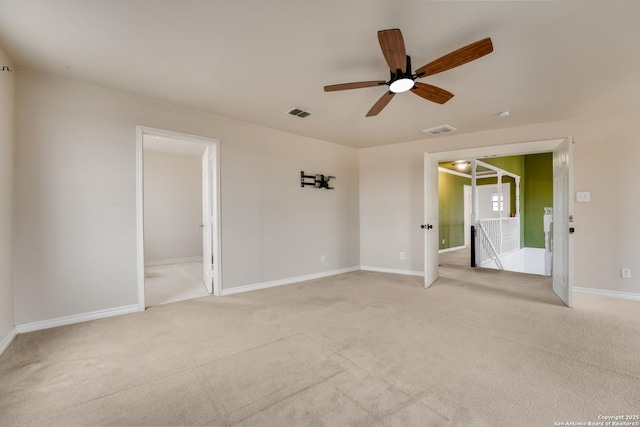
[(610, 294), (287, 281), (76, 318), (457, 248), (7, 340), (172, 261), (392, 271)]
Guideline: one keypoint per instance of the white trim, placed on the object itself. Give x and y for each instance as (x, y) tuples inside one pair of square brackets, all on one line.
[(515, 149), (392, 271), (172, 261), (288, 281), (497, 169), (466, 175), (452, 249), (609, 294), (6, 341), (140, 217), (217, 228), (76, 318), (453, 172)]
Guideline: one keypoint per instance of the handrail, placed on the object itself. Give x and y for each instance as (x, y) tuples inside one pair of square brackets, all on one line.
[(503, 232), (495, 255)]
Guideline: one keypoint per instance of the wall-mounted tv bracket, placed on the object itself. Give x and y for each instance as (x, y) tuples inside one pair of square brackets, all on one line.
[(319, 180)]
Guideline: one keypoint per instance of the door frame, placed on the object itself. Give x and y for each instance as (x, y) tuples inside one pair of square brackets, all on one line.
[(215, 200), (514, 149), (206, 178), (466, 205)]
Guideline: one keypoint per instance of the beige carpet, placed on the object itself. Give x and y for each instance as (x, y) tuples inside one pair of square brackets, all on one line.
[(479, 348), (173, 282)]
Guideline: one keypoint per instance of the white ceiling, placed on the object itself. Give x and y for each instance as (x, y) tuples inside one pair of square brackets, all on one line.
[(253, 60)]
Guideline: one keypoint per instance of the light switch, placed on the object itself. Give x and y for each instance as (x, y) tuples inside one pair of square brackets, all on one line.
[(583, 196)]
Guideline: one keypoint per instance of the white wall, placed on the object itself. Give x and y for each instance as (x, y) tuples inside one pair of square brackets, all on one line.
[(391, 207), (76, 192), (7, 146), (172, 206), (75, 218), (607, 234), (485, 205)]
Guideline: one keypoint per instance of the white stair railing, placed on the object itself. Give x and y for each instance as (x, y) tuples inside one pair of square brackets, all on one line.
[(501, 234), (487, 249)]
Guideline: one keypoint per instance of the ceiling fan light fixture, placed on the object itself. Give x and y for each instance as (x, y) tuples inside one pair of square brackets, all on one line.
[(401, 85)]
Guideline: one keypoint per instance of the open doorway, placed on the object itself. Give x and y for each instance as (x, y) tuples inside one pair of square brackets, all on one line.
[(512, 197), (178, 216), (562, 167)]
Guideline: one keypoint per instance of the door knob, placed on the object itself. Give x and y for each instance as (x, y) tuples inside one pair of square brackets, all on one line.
[(427, 226)]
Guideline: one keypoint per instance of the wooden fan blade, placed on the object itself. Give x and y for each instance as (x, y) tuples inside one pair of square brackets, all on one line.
[(432, 93), (461, 56), (382, 102), (392, 45), (354, 85)]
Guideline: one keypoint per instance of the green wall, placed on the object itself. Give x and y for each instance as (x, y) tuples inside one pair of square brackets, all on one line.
[(451, 209), (539, 194), (536, 192)]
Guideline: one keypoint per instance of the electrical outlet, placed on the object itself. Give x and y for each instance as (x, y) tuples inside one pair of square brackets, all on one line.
[(402, 255), (324, 258), (443, 241), (626, 273)]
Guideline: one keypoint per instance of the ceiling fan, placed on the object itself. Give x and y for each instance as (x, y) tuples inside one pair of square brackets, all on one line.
[(402, 80)]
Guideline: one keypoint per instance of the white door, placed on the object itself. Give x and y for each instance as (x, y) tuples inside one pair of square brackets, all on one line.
[(562, 222), (207, 223), (430, 225)]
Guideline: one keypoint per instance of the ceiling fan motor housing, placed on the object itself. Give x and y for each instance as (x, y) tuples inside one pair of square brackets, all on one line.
[(401, 82)]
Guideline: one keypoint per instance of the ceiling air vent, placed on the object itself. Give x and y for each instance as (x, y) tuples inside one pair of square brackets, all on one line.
[(439, 129), (298, 112)]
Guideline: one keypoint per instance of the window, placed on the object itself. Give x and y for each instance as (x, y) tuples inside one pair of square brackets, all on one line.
[(497, 205)]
